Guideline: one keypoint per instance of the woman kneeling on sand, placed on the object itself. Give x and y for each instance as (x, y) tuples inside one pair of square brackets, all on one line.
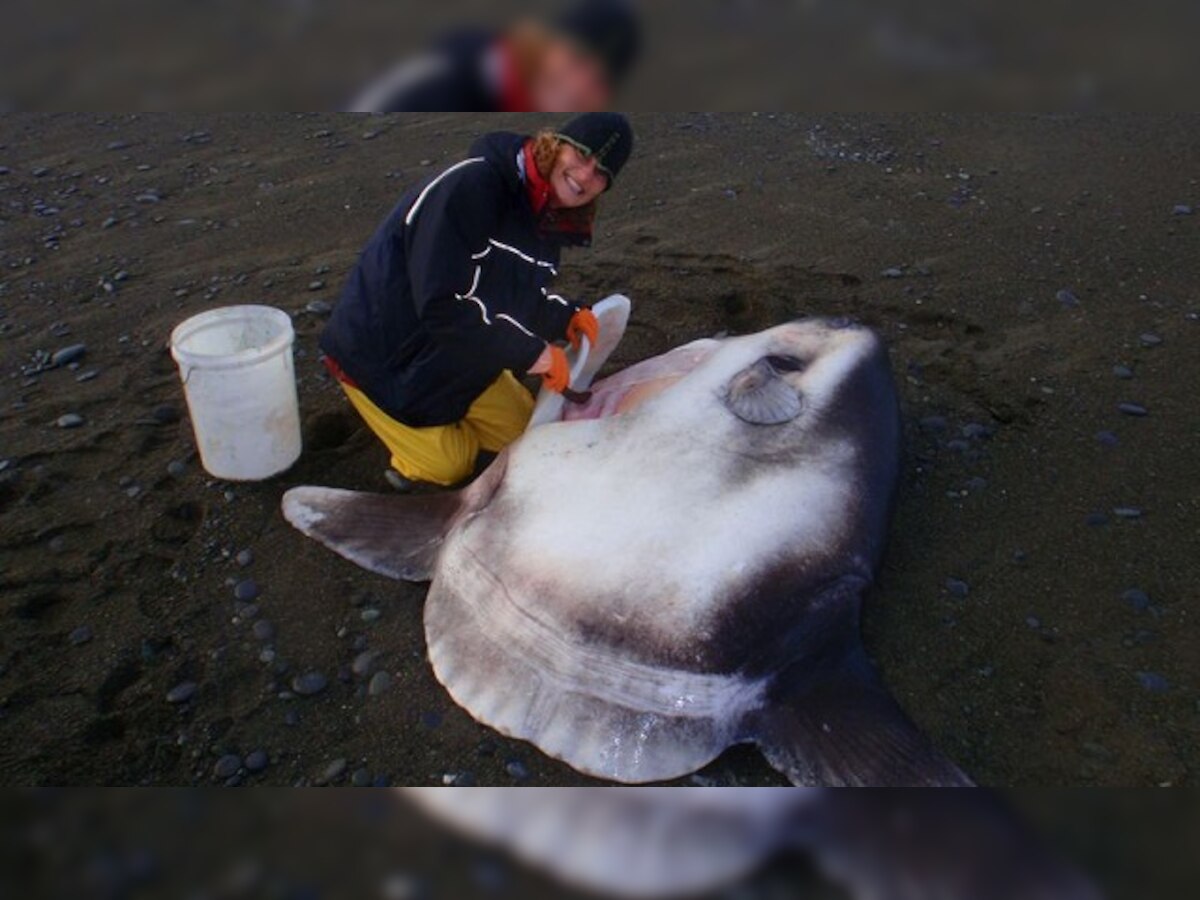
[(451, 296)]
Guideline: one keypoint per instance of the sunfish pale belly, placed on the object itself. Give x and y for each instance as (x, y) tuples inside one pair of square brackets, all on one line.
[(636, 592)]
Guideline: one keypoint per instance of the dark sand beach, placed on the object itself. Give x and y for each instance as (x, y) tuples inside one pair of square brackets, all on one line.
[(1035, 611)]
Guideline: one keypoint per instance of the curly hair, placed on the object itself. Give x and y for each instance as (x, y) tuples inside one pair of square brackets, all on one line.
[(545, 151)]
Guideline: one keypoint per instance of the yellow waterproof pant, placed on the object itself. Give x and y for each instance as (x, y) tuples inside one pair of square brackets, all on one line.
[(446, 454)]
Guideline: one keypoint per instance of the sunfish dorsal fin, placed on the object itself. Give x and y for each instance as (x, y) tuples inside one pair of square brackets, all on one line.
[(394, 536)]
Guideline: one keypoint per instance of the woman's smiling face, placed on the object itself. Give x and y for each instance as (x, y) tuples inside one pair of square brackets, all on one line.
[(576, 179)]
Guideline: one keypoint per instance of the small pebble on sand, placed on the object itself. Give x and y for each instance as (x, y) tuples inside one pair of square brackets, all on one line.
[(165, 414), (957, 587), (1067, 298), (68, 355), (182, 692), (246, 590), (380, 682), (1132, 409), (81, 635), (256, 761), (70, 420), (309, 683), (263, 630), (1153, 682), (244, 557), (176, 468), (1137, 599), (227, 766), (363, 662), (1123, 372)]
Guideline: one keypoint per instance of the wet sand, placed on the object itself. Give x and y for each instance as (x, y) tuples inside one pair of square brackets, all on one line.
[(954, 236)]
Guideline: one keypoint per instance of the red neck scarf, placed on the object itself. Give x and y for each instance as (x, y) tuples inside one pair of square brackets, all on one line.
[(537, 188)]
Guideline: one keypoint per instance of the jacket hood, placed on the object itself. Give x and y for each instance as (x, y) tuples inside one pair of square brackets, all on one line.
[(500, 148)]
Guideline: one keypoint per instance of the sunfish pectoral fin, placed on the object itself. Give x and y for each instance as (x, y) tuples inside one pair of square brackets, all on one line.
[(394, 536), (914, 845), (830, 722)]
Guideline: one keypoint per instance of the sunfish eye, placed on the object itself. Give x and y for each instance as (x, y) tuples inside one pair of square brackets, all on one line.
[(786, 363), (759, 396)]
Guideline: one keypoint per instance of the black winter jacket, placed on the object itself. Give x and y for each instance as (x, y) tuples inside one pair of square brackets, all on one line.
[(452, 289)]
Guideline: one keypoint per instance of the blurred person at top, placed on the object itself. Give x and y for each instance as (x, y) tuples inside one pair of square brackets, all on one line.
[(572, 64), (452, 295)]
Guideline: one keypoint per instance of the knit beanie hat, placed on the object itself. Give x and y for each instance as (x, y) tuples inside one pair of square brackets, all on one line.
[(603, 135)]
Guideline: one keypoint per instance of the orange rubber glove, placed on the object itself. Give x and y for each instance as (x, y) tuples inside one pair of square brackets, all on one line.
[(583, 323), (553, 367)]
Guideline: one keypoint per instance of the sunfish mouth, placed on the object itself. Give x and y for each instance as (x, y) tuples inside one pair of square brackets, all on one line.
[(577, 397), (627, 390)]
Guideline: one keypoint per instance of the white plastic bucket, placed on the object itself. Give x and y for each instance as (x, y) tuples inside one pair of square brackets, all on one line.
[(238, 377)]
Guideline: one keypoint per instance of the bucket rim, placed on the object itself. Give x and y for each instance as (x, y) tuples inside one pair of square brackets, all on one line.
[(242, 358)]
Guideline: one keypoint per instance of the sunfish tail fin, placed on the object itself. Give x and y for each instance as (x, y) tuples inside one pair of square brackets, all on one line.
[(394, 536), (949, 845), (829, 721)]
